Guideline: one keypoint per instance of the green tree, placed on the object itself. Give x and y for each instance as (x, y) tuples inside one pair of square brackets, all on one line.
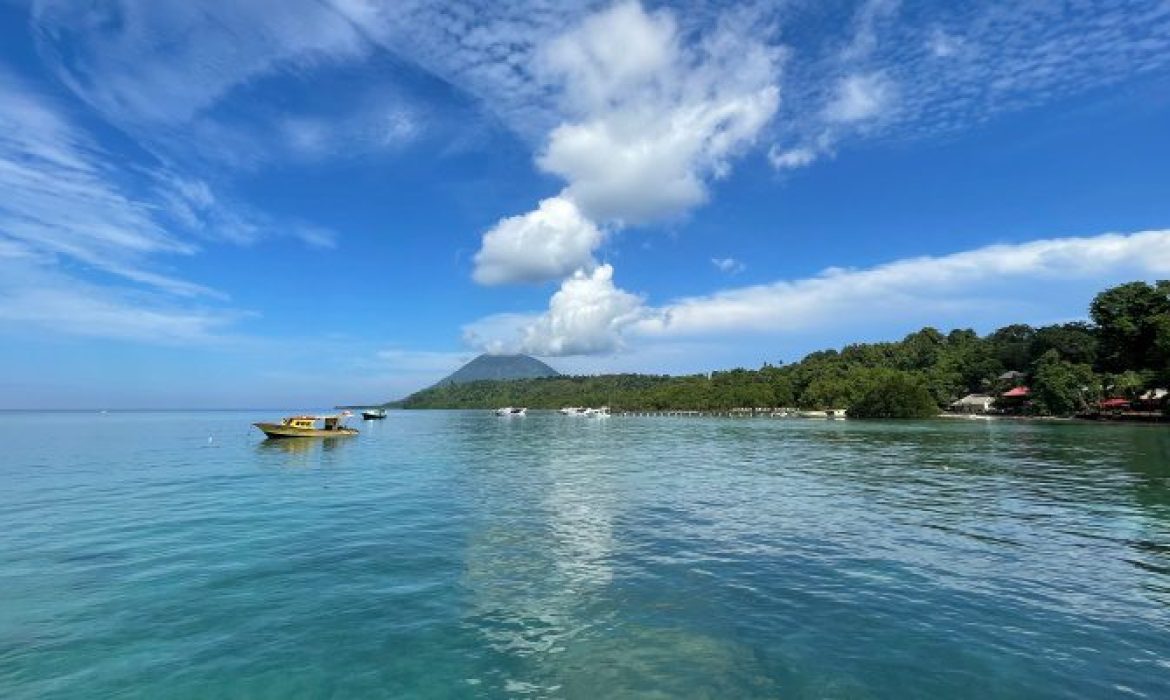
[(826, 392), (1128, 384), (1076, 342), (920, 350), (897, 395), (1132, 326), (1012, 345), (1061, 388)]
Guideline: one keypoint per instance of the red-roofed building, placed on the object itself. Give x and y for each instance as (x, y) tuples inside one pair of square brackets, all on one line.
[(1013, 401), (1113, 404)]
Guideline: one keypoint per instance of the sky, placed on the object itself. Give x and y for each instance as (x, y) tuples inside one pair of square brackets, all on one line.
[(251, 203)]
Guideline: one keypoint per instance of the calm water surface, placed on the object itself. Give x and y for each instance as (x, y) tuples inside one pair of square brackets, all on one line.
[(455, 554)]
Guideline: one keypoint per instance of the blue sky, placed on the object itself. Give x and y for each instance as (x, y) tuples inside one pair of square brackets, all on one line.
[(302, 203)]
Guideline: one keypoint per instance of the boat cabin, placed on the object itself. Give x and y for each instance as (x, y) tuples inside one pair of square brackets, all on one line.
[(300, 422), (307, 422)]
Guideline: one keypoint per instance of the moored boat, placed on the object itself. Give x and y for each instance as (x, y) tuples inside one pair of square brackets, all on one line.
[(374, 414), (511, 411), (308, 426)]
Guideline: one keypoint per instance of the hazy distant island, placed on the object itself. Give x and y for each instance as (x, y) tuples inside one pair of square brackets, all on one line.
[(1117, 365)]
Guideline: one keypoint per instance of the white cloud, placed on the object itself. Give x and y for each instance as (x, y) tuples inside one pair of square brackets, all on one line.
[(859, 98), (87, 240), (35, 295), (369, 130), (957, 65), (656, 116), (868, 21), (998, 284), (653, 120), (60, 199), (586, 316), (498, 334), (547, 243), (730, 266), (792, 158), (165, 62), (839, 296), (942, 44)]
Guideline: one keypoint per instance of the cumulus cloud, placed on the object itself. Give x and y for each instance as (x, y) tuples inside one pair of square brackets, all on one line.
[(585, 316), (651, 119), (654, 117), (549, 242)]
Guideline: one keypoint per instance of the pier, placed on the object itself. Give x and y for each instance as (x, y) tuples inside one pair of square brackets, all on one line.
[(738, 413)]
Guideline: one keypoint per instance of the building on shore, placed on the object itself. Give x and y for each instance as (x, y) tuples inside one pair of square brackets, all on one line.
[(1015, 400), (972, 403)]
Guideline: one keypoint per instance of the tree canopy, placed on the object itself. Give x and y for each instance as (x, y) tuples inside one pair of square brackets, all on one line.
[(897, 395)]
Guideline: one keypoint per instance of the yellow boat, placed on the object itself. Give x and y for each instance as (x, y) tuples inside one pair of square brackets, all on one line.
[(307, 426)]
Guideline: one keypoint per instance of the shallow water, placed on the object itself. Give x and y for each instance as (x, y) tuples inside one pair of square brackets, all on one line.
[(456, 554)]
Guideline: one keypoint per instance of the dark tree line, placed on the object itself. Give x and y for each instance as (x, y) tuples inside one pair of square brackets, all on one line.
[(1124, 351)]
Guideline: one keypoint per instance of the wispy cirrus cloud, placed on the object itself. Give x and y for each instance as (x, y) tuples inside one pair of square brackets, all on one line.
[(165, 62), (60, 199), (38, 296), (729, 266), (87, 246), (864, 69), (905, 71)]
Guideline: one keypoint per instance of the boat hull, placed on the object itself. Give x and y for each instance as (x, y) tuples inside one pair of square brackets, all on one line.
[(373, 416), (278, 431)]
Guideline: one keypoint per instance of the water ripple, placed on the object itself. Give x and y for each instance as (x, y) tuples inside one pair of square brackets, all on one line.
[(445, 554)]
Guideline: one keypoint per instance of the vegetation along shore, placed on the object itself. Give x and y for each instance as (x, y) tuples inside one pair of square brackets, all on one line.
[(1117, 365)]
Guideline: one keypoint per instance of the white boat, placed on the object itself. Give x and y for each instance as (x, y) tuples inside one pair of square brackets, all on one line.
[(574, 411), (602, 412), (511, 411)]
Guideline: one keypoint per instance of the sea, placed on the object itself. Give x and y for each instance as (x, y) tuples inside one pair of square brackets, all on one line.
[(456, 554)]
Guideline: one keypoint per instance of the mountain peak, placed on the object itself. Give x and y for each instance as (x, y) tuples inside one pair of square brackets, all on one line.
[(497, 367)]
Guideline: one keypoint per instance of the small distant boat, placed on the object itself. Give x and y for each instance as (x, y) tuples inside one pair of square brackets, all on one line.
[(574, 411), (374, 414), (602, 412), (511, 411), (308, 426)]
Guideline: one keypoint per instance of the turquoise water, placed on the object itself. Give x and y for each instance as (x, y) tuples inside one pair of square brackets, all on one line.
[(456, 554)]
